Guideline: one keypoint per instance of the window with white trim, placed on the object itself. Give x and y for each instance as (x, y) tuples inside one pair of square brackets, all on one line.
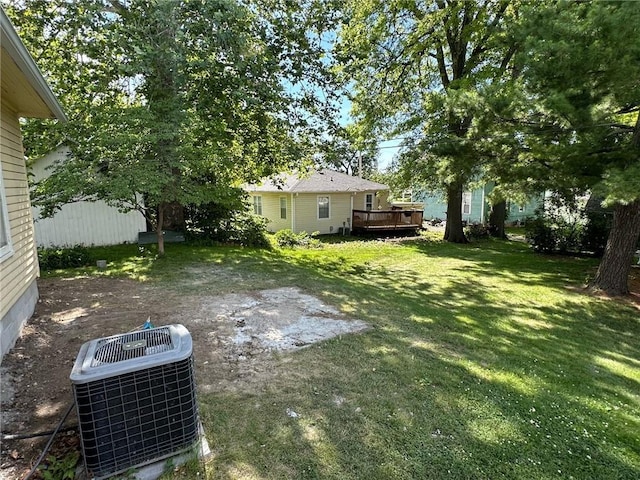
[(283, 207), (466, 203), (257, 204), (323, 207), (6, 249), (368, 201), (521, 208)]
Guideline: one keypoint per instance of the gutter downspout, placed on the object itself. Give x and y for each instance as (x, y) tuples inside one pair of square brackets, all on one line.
[(293, 213), (482, 205), (350, 219)]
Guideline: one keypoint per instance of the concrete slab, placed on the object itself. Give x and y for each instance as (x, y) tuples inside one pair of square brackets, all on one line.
[(153, 471)]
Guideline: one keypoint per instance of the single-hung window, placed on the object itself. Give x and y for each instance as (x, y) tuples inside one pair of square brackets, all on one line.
[(466, 203), (257, 205), (368, 201), (323, 207), (283, 207)]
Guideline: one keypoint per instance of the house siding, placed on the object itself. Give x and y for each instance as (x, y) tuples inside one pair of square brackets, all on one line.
[(346, 193), (435, 207), (271, 210), (306, 212), (380, 201), (83, 223), (19, 270), (302, 210)]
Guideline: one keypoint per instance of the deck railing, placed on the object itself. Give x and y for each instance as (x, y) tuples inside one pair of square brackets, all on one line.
[(363, 220)]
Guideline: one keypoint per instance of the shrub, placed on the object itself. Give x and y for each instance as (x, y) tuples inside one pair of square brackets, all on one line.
[(540, 234), (56, 258), (213, 224), (568, 236), (287, 238), (596, 232), (548, 233)]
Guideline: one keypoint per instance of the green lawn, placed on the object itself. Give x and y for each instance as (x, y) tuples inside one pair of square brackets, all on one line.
[(484, 361)]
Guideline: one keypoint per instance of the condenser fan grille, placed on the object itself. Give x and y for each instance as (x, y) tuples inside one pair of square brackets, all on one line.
[(132, 345)]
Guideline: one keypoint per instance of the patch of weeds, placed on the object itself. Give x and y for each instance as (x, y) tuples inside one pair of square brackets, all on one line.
[(57, 258), (60, 469), (192, 468), (289, 239)]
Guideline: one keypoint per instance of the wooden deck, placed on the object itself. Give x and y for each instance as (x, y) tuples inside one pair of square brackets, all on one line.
[(385, 220)]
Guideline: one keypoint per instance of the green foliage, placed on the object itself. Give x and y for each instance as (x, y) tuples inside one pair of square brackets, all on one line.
[(434, 73), (576, 124), (60, 469), (555, 233), (56, 258), (596, 231), (287, 238), (540, 234), (173, 102), (349, 150), (214, 223)]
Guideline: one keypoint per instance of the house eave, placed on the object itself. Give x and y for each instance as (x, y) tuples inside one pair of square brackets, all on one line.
[(11, 44)]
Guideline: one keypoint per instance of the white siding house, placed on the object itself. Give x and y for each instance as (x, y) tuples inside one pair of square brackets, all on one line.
[(82, 223), (23, 93), (322, 201)]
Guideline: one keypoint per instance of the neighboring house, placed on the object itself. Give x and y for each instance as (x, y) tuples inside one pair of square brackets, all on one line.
[(322, 201), (82, 223), (475, 207), (23, 93)]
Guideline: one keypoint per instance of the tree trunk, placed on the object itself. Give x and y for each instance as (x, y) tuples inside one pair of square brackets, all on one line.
[(173, 218), (613, 271), (159, 227), (497, 218), (453, 231)]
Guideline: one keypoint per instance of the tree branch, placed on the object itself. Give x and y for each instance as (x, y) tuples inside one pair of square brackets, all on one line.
[(442, 67)]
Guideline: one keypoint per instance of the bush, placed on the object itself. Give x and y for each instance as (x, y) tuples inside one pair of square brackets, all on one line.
[(540, 234), (214, 224), (57, 258), (596, 232), (555, 234), (287, 238), (549, 234), (568, 236)]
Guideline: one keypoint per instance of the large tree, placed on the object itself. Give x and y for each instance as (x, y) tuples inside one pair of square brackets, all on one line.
[(346, 150), (581, 125), (424, 69), (173, 102)]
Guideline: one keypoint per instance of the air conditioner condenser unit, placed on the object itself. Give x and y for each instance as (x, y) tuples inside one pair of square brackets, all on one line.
[(135, 399)]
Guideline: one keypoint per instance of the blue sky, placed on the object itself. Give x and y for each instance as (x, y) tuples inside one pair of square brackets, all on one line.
[(387, 150)]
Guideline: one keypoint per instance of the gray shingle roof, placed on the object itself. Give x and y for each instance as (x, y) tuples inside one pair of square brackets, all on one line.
[(322, 181)]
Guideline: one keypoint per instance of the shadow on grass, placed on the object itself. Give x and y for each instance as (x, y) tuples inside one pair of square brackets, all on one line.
[(485, 369), (480, 364)]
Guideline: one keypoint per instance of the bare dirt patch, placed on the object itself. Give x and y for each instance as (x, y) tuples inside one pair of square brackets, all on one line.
[(235, 337)]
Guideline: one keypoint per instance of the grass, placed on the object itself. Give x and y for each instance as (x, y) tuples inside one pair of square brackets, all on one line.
[(484, 361)]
